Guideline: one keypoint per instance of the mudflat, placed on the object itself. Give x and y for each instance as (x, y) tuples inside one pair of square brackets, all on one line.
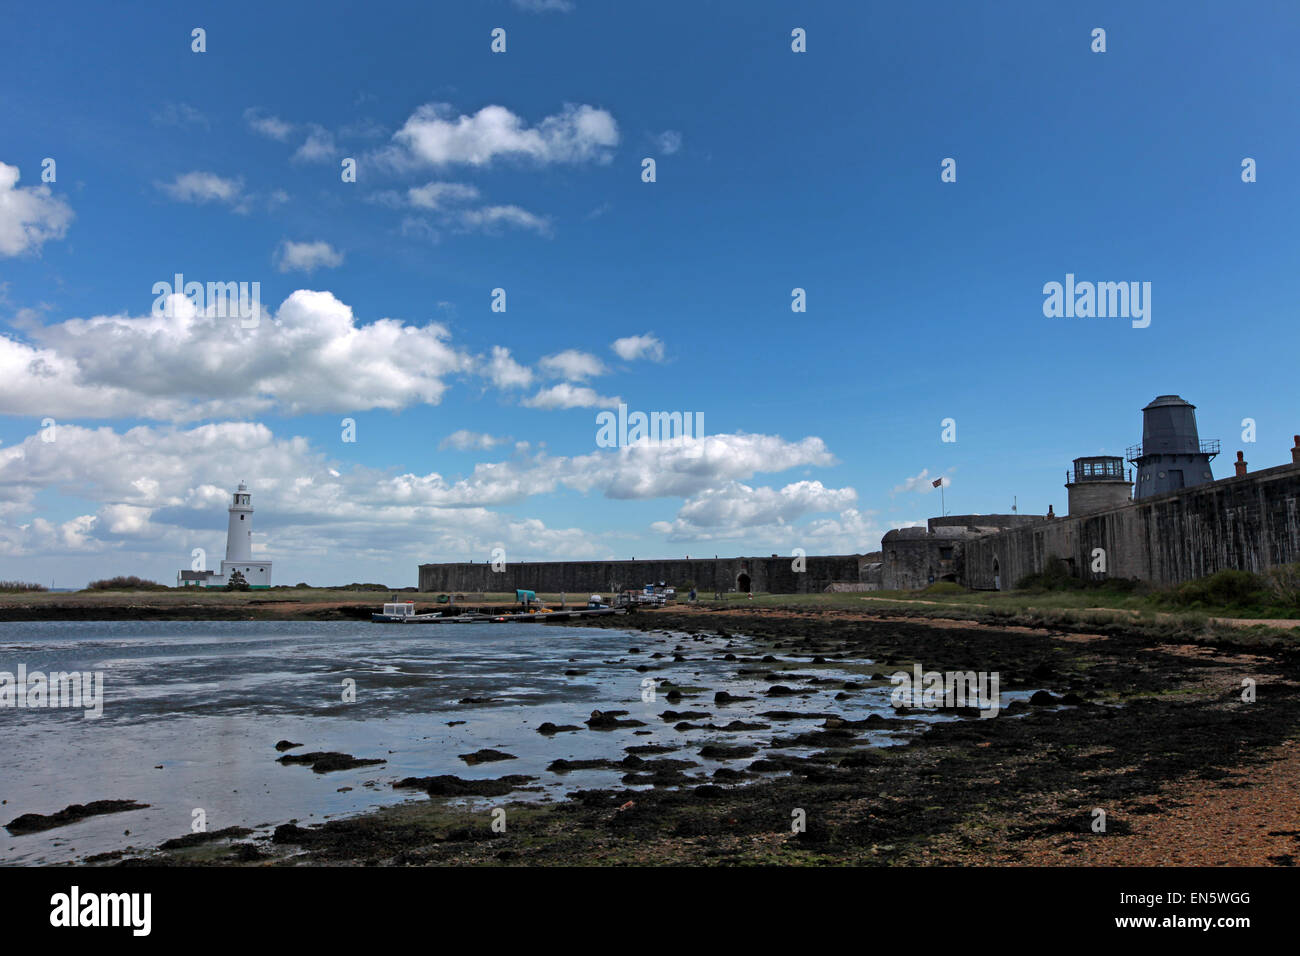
[(1186, 750)]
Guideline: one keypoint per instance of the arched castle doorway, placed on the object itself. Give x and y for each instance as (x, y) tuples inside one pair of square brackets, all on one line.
[(742, 582)]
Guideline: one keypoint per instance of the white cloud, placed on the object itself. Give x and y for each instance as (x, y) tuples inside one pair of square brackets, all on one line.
[(488, 217), (668, 142), (436, 135), (465, 440), (163, 491), (307, 256), (29, 215), (572, 364), (310, 356), (436, 195), (203, 187), (635, 347), (267, 125), (504, 372), (738, 506), (921, 483), (318, 147), (565, 395), (447, 200)]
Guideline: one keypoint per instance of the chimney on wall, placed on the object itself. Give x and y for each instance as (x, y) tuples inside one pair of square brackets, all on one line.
[(1295, 451), (1050, 512), (1241, 464)]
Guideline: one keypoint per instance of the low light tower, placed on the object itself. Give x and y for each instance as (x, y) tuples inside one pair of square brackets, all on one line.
[(1097, 483)]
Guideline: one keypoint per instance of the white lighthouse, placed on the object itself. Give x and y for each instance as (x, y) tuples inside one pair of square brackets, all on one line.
[(239, 550), (239, 534)]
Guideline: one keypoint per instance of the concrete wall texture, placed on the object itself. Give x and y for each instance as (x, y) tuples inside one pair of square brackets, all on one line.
[(1247, 523), (771, 574)]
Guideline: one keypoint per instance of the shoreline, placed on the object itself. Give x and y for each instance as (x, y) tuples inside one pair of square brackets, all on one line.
[(1158, 627), (1158, 739)]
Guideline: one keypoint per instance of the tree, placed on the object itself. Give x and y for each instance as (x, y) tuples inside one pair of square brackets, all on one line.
[(236, 582)]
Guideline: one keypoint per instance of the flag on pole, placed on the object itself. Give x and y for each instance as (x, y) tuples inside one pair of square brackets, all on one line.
[(937, 483)]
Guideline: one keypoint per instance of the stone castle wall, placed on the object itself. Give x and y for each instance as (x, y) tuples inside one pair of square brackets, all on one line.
[(1247, 523), (771, 574)]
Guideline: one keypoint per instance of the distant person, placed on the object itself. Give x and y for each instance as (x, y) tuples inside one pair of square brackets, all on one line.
[(692, 595)]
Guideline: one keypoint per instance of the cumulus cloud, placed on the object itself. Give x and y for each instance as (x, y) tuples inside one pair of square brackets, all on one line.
[(465, 440), (565, 395), (572, 364), (163, 490), (310, 356), (737, 506), (203, 187), (504, 372), (435, 134), (307, 256), (635, 347), (152, 468), (922, 483), (29, 215)]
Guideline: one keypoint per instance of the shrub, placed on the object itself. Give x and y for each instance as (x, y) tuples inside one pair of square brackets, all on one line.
[(236, 582), (1223, 588), (1055, 576), (1284, 583), (125, 582), (14, 586)]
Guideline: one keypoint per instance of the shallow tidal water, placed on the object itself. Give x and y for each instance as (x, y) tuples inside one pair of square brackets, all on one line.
[(192, 711)]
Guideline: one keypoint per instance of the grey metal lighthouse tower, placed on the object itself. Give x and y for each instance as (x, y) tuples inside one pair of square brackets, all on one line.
[(1171, 455)]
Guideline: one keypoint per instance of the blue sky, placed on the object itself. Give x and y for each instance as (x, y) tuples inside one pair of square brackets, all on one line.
[(522, 170)]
